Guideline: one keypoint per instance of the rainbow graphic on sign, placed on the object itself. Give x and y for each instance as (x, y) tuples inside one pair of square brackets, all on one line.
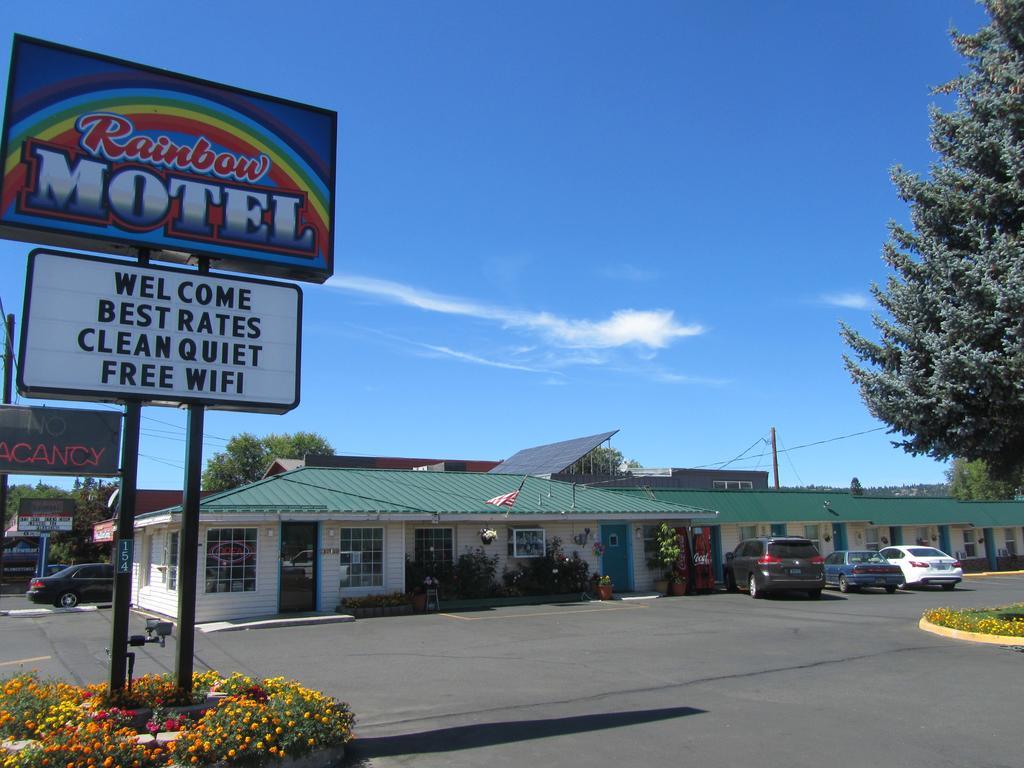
[(107, 155)]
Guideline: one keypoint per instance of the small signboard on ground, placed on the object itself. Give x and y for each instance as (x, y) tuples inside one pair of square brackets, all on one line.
[(45, 515)]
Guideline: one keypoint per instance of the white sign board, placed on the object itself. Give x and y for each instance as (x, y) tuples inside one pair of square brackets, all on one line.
[(37, 516), (99, 329), (40, 524)]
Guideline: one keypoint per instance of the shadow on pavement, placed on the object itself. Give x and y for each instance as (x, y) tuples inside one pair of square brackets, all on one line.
[(490, 734)]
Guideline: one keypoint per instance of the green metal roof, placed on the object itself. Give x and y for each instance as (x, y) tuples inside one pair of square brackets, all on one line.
[(800, 506), (406, 492)]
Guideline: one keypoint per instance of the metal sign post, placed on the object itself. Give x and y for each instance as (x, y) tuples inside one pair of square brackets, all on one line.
[(125, 536), (188, 552)]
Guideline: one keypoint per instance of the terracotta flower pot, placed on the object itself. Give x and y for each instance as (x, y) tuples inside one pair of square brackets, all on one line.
[(604, 591), (419, 602), (677, 588)]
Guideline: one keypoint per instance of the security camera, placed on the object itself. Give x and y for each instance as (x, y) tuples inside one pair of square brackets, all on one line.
[(159, 628)]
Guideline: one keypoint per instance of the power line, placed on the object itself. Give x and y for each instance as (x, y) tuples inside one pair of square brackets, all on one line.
[(759, 440), (792, 465), (720, 464)]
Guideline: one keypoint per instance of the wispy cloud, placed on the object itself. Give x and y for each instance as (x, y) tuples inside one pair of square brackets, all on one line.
[(654, 329), (846, 300), (470, 358)]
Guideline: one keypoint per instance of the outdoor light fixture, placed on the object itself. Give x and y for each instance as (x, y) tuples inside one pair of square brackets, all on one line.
[(330, 532), (270, 533)]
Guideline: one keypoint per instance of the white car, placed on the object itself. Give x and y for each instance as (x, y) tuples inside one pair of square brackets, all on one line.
[(925, 565)]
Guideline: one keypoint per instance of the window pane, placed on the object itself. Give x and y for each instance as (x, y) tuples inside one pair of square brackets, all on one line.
[(231, 560), (434, 545), (362, 557)]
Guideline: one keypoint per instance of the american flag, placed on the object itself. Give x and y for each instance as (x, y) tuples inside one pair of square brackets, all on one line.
[(505, 500)]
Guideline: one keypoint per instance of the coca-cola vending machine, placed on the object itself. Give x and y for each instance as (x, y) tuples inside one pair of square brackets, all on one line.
[(695, 559), (702, 571)]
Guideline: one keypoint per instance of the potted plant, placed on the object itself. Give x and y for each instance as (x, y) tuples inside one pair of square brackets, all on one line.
[(666, 557), (676, 584), (488, 535), (603, 585)]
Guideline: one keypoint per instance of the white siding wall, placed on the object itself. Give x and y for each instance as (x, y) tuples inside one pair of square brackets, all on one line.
[(224, 605), (152, 593), (394, 564), (329, 564), (395, 543)]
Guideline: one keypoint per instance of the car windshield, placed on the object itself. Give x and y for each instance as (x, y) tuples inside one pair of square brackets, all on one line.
[(926, 552), (866, 557), (792, 549)]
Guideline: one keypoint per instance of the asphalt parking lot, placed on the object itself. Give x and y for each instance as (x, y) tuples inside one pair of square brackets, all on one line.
[(716, 680)]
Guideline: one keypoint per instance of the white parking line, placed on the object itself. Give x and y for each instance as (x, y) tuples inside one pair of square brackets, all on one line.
[(24, 661)]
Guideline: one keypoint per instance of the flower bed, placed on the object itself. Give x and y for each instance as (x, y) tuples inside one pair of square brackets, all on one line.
[(1007, 621), (49, 724), (395, 604)]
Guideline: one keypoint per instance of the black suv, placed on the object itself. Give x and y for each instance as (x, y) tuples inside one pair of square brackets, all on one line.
[(775, 563)]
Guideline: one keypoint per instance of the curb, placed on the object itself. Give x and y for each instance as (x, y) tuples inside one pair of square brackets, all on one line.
[(993, 573), (974, 637)]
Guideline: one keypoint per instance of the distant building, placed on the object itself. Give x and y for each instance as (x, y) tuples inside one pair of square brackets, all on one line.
[(675, 477), (379, 462)]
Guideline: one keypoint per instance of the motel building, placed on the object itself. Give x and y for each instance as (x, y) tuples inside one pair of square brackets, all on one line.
[(983, 535), (304, 539)]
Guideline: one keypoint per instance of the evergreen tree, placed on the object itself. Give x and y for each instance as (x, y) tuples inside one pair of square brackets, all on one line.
[(856, 489), (946, 372)]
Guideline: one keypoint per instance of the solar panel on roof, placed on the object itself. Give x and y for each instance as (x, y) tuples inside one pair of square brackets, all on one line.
[(551, 458)]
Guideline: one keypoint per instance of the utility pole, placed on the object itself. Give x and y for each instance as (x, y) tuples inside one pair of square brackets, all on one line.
[(775, 460)]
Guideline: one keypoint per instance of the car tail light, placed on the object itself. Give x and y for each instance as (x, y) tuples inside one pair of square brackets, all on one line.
[(817, 560), (36, 584), (768, 560), (918, 564), (956, 564)]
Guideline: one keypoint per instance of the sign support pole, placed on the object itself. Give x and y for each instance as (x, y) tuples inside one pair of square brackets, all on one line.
[(188, 549), (8, 380), (124, 538)]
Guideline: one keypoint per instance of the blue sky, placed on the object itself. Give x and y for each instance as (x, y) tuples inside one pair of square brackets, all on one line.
[(560, 218)]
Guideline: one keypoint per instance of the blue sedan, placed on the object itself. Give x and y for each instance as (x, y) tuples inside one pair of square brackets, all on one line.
[(851, 570)]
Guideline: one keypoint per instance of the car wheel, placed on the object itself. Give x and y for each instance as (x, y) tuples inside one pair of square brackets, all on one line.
[(814, 594), (843, 584), (755, 593), (67, 600), (949, 587), (730, 582), (891, 590)]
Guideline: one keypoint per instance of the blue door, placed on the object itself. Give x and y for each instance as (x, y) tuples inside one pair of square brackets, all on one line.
[(615, 560)]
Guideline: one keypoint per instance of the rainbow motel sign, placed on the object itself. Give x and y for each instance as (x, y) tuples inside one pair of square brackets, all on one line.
[(108, 155)]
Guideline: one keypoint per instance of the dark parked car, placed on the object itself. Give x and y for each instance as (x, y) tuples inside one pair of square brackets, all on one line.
[(775, 564), (851, 570), (52, 569), (84, 583)]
